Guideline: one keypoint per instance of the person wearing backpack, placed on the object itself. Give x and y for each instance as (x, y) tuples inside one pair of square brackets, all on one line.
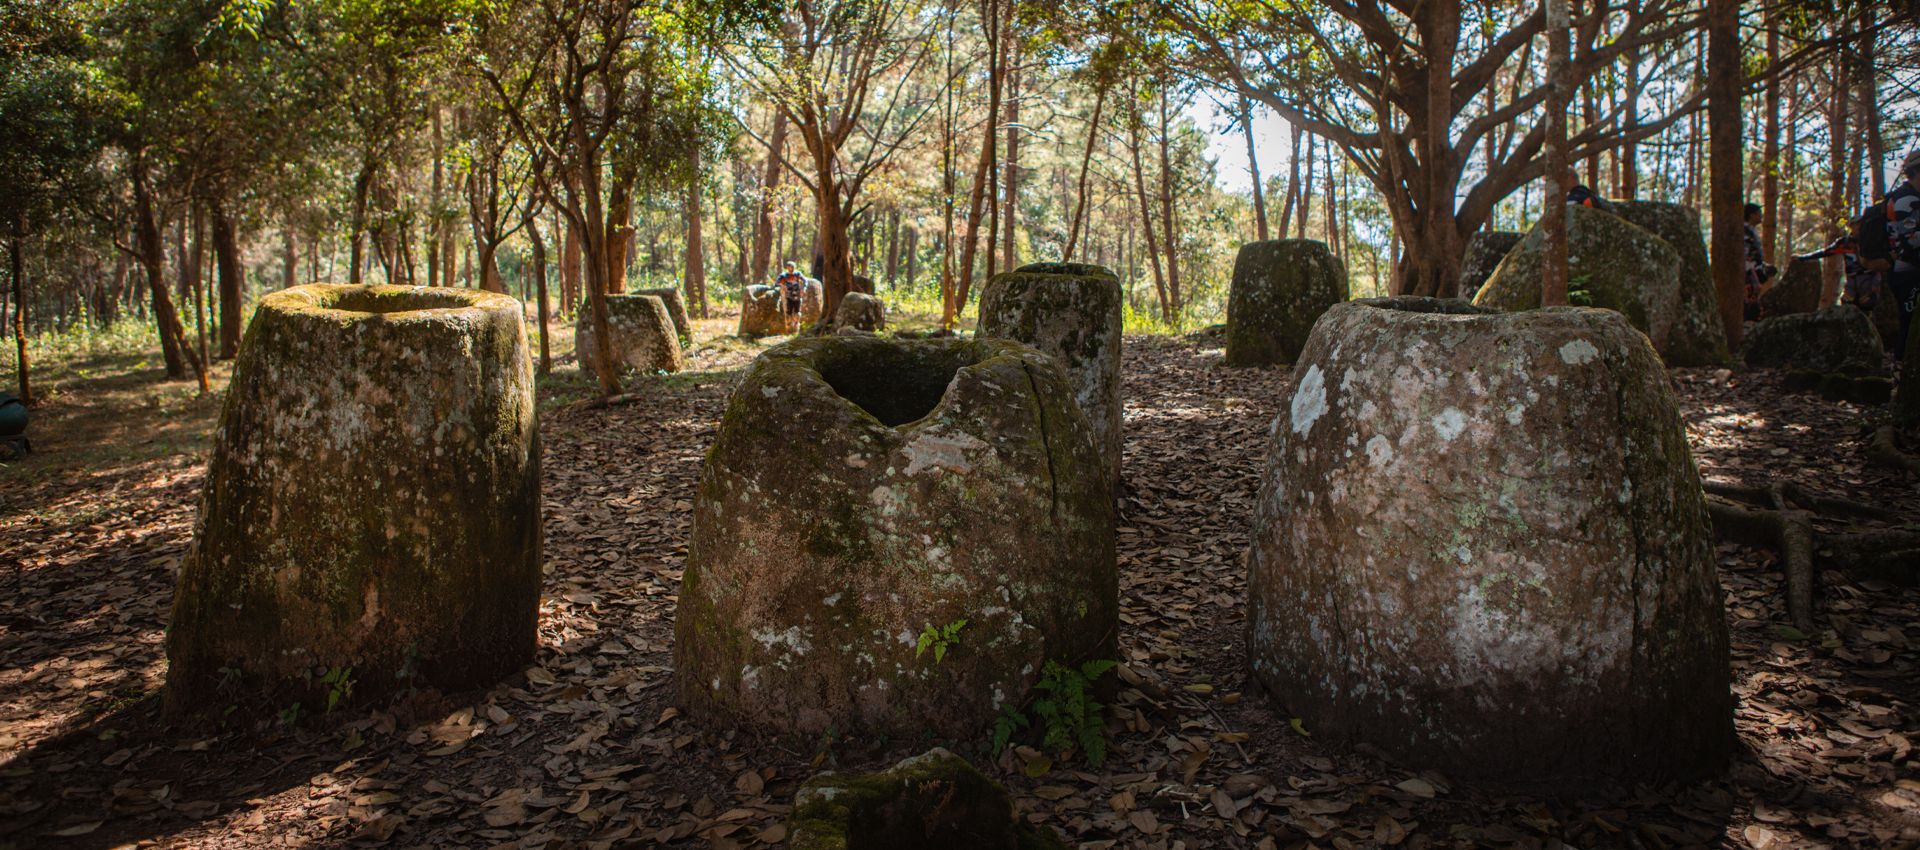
[(1890, 243), (1758, 270), (793, 294)]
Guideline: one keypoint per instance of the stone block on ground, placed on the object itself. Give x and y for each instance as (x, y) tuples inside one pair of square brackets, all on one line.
[(763, 310), (859, 311), (1795, 290), (372, 506), (1840, 339), (644, 338), (1699, 338), (1280, 287), (1075, 317), (893, 537), (1485, 250), (676, 310), (1482, 548), (1612, 264), (933, 801)]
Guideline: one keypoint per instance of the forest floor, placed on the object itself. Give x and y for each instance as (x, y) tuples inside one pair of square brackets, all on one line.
[(585, 750)]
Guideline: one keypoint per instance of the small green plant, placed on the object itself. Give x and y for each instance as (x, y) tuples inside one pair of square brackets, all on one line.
[(1070, 718), (290, 715), (939, 639), (339, 682)]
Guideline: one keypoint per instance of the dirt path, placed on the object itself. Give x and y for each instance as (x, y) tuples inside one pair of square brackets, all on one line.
[(585, 750)]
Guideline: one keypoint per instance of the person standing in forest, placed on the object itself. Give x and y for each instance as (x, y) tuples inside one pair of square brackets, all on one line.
[(1759, 271), (1890, 242), (1582, 195), (793, 294)]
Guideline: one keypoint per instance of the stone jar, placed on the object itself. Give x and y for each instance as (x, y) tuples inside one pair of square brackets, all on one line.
[(893, 537), (372, 507), (1280, 287), (644, 337), (1074, 315), (1481, 547)]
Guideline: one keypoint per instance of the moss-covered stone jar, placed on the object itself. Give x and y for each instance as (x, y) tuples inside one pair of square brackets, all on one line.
[(1699, 338), (763, 311), (893, 537), (1280, 287), (371, 515), (644, 336), (1072, 312), (1481, 546)]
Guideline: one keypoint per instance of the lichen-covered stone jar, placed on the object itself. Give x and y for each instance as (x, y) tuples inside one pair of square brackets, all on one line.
[(645, 338), (894, 537), (1481, 546), (1280, 287), (1072, 312), (371, 517)]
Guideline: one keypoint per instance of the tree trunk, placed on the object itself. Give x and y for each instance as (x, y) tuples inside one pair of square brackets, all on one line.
[(1630, 152), (1553, 273), (434, 225), (1837, 162), (1293, 180), (1870, 105), (1011, 217), (763, 221), (1303, 204), (1172, 239), (18, 268), (1770, 150), (289, 258), (174, 350), (1724, 81), (950, 312), (1253, 168), (540, 288), (1146, 218), (695, 283), (834, 245), (1086, 161), (591, 220), (362, 183), (233, 279)]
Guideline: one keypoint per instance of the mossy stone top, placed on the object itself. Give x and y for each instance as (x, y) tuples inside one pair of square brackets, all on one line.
[(1699, 338), (1280, 288), (1840, 339), (1075, 316), (372, 504), (893, 537), (1481, 547)]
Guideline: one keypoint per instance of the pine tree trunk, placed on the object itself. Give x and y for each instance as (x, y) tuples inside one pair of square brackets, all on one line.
[(1010, 219), (540, 288), (1553, 273), (1172, 240), (695, 282), (1724, 83), (1253, 169), (950, 312), (1086, 161), (17, 266)]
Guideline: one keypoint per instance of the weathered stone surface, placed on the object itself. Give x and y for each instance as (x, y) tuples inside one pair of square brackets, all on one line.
[(1074, 316), (1699, 338), (1482, 547), (1485, 250), (1839, 339), (763, 310), (1886, 319), (863, 492), (643, 334), (860, 312), (1796, 290), (933, 801), (372, 504), (676, 310), (1280, 287), (1612, 263), (862, 283)]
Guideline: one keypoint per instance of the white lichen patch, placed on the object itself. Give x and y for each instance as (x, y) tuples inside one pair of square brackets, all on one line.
[(1310, 400), (791, 638), (947, 452), (1578, 352), (1449, 423)]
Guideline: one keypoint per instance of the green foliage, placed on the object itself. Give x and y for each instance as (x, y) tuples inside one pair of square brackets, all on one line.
[(1069, 717), (339, 682), (939, 639)]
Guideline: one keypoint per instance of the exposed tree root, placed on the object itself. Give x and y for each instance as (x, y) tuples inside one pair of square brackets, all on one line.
[(1885, 448), (1783, 522)]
